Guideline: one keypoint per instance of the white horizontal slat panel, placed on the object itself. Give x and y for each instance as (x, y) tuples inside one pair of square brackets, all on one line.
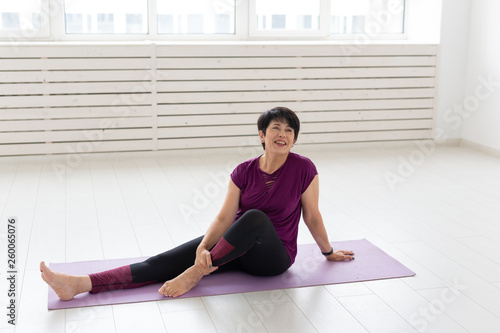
[(74, 64), (295, 49), (257, 107), (74, 76), (74, 124), (308, 116), (206, 131), (295, 73), (309, 128), (361, 126), (75, 100), (214, 142), (82, 135), (75, 112), (366, 136), (366, 115), (243, 141), (79, 51), (73, 147), (291, 62), (292, 84), (147, 96), (315, 95), (195, 120), (73, 88)]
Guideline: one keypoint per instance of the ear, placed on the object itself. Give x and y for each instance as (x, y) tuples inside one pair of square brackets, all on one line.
[(262, 136)]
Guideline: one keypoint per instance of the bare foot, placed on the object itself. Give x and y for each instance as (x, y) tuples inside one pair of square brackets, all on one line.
[(183, 283), (65, 286)]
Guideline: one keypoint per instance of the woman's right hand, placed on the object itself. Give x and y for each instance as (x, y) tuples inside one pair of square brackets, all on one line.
[(204, 261)]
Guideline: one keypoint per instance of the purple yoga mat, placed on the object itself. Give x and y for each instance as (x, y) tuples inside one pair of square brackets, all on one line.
[(310, 269)]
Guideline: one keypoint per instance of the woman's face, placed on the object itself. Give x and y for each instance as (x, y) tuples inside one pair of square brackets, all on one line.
[(279, 137)]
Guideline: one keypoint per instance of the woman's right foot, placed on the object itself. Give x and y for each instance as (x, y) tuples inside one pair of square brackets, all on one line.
[(182, 283), (65, 286)]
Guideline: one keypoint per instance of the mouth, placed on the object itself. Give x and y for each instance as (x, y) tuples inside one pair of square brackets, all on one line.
[(280, 142)]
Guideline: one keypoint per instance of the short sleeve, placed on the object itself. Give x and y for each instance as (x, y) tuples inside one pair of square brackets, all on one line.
[(309, 171), (238, 176)]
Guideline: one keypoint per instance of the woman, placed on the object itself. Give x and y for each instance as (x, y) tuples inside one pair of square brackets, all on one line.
[(255, 230)]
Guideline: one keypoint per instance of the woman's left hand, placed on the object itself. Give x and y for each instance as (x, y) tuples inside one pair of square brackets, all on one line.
[(341, 255)]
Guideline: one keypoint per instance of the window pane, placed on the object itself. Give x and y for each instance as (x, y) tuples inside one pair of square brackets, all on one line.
[(21, 15), (196, 16), (287, 14), (367, 16), (106, 16)]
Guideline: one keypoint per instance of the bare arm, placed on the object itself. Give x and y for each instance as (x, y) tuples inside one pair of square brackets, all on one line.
[(314, 221), (219, 226)]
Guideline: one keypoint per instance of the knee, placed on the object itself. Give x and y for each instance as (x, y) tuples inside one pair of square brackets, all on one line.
[(255, 218), (256, 215)]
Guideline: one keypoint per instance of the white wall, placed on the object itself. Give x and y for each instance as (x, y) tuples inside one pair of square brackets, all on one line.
[(452, 67), (424, 21), (483, 64), (469, 95)]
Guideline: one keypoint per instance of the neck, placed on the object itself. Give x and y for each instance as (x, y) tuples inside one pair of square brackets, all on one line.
[(269, 163)]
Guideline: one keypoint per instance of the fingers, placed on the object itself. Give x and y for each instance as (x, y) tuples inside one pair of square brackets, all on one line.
[(204, 262), (349, 255), (208, 263), (208, 260), (341, 255), (204, 259)]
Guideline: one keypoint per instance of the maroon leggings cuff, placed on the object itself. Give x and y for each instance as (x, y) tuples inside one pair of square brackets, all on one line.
[(118, 278)]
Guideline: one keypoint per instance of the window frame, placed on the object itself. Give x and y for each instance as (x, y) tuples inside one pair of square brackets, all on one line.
[(53, 28)]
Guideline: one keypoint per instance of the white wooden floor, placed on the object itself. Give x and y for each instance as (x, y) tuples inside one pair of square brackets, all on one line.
[(440, 217)]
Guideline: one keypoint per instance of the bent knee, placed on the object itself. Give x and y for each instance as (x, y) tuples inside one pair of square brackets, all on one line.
[(254, 220), (255, 214)]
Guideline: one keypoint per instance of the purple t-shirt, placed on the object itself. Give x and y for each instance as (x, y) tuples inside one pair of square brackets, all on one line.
[(278, 194)]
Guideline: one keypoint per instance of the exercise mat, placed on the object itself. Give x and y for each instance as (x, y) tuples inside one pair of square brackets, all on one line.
[(310, 269)]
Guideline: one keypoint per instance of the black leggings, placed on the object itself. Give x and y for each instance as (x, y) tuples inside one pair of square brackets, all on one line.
[(251, 245)]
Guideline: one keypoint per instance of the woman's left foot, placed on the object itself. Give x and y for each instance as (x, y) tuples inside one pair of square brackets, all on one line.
[(181, 284)]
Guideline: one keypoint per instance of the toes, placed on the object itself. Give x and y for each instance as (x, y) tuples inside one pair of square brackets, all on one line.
[(168, 292), (161, 291), (164, 290)]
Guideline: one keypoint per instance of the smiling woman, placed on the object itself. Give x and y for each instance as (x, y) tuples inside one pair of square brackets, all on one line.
[(255, 230)]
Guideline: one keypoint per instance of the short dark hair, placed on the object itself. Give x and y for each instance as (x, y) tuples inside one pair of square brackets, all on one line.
[(279, 113)]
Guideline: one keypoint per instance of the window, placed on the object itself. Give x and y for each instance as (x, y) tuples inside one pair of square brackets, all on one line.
[(24, 19), (325, 18), (106, 16), (367, 16), (10, 21), (196, 17), (134, 23), (273, 18), (200, 19)]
